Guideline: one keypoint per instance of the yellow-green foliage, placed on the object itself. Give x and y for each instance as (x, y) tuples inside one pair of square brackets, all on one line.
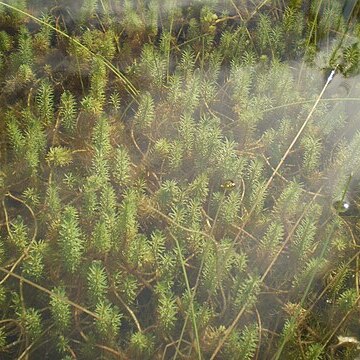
[(167, 175)]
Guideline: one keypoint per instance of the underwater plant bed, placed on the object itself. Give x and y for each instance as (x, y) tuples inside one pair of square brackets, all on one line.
[(179, 180)]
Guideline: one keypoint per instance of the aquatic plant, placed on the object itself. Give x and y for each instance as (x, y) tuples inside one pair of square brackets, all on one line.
[(171, 176)]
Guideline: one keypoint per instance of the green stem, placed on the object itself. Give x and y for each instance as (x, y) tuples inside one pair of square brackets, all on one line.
[(190, 296)]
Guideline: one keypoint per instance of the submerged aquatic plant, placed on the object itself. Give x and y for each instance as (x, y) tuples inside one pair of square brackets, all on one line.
[(173, 180)]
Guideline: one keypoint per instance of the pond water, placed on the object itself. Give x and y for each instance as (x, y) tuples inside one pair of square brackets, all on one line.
[(179, 179)]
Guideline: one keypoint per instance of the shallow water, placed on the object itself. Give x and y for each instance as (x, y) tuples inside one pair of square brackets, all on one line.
[(168, 175)]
